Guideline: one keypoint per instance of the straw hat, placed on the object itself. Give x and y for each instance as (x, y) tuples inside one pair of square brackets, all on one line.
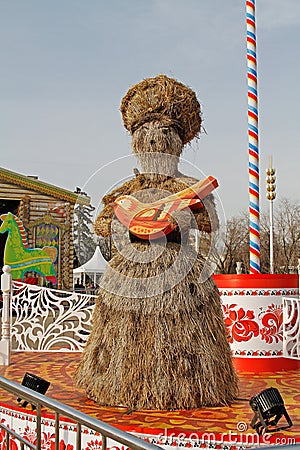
[(164, 99)]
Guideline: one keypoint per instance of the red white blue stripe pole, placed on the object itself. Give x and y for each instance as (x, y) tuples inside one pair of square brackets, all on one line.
[(253, 149)]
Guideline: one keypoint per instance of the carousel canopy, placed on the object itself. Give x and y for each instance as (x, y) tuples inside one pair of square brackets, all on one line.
[(96, 264)]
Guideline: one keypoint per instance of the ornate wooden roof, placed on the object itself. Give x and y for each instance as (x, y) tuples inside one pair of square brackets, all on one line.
[(40, 186)]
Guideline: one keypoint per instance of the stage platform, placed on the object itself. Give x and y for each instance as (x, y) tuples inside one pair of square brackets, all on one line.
[(214, 427)]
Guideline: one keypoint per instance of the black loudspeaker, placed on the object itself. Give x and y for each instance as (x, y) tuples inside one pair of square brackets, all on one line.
[(35, 383), (268, 407)]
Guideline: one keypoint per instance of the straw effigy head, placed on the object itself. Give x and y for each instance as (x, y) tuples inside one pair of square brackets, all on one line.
[(162, 99)]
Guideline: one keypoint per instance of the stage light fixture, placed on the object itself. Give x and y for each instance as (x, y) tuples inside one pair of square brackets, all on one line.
[(268, 407), (35, 383)]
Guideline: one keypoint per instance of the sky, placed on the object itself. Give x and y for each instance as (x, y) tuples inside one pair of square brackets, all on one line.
[(66, 64)]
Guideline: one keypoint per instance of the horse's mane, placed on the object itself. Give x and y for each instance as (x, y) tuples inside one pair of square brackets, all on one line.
[(23, 232)]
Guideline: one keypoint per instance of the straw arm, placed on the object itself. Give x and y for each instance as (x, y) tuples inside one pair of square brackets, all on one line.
[(207, 218)]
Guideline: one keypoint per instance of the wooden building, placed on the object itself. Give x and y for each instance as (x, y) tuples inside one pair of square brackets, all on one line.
[(46, 217)]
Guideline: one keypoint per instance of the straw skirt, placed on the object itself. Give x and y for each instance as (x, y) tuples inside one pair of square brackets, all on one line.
[(158, 339)]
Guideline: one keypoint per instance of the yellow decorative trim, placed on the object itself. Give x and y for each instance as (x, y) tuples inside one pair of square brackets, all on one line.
[(41, 186), (48, 219)]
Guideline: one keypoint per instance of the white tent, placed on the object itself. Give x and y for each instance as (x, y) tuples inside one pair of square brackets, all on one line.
[(95, 266)]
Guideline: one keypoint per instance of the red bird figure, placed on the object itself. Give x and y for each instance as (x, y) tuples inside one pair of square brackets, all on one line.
[(153, 220)]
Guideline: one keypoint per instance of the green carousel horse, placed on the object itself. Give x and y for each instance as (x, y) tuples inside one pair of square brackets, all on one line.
[(20, 257)]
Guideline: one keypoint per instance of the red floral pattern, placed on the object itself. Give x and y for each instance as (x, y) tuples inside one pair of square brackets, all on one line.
[(253, 292), (94, 445), (62, 446), (271, 320), (259, 353), (30, 435), (47, 440), (240, 324), (12, 443)]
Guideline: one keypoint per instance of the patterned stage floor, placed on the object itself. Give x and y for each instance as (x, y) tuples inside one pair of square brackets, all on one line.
[(58, 368)]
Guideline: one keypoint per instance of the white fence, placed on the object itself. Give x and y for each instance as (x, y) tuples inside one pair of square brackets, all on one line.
[(291, 328), (35, 318), (49, 320)]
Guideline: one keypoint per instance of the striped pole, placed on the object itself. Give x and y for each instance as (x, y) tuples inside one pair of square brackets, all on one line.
[(253, 140)]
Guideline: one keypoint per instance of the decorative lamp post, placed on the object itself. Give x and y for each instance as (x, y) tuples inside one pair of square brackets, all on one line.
[(271, 195)]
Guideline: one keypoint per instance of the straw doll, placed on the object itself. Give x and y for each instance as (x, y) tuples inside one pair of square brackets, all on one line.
[(158, 339)]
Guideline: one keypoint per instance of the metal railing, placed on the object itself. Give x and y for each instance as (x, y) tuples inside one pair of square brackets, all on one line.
[(82, 421)]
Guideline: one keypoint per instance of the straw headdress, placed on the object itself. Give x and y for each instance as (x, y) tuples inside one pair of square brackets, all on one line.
[(164, 99)]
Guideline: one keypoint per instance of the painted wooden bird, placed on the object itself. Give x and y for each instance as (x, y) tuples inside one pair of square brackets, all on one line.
[(153, 220)]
